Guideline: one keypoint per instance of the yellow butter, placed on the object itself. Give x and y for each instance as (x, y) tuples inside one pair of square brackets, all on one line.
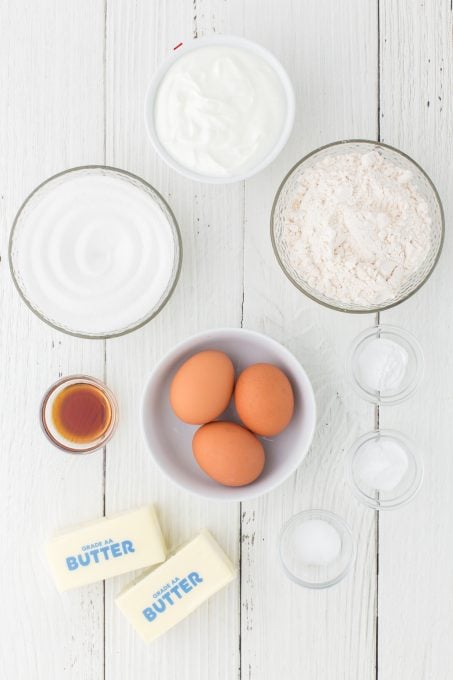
[(176, 588), (106, 547)]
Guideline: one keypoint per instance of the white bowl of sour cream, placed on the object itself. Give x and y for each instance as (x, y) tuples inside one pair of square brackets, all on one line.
[(220, 109), (95, 252)]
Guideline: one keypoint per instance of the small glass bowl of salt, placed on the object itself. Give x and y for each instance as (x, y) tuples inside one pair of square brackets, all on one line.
[(385, 364), (316, 548), (384, 469)]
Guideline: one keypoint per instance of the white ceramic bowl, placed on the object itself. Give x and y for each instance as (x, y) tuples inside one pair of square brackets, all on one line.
[(170, 440), (228, 41)]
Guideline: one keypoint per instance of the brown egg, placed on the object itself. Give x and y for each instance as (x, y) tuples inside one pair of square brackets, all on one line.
[(264, 399), (202, 387), (228, 453)]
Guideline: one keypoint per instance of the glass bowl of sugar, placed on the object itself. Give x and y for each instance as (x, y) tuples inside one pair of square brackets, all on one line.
[(316, 549), (95, 252), (357, 226), (385, 364), (384, 469)]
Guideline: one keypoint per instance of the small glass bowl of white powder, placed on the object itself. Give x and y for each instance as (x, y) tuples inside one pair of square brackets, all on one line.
[(385, 364), (357, 226), (384, 469), (316, 548)]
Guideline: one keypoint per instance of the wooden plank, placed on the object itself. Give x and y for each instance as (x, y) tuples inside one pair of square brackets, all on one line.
[(330, 51), (416, 545), (209, 294), (51, 108)]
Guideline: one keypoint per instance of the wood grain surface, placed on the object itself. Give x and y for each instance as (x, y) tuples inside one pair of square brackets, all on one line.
[(416, 543), (73, 77), (52, 117)]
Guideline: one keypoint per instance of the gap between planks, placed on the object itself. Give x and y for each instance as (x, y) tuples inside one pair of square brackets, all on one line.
[(378, 319), (104, 451)]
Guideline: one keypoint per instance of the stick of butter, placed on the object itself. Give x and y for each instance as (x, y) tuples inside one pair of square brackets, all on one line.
[(176, 588), (106, 547)]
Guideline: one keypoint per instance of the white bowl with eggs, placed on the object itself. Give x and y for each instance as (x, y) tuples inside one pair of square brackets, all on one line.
[(219, 109), (169, 439)]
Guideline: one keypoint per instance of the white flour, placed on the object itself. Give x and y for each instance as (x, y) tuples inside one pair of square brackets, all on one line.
[(357, 228)]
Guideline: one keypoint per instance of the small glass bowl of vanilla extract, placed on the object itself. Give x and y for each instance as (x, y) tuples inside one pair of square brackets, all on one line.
[(79, 414)]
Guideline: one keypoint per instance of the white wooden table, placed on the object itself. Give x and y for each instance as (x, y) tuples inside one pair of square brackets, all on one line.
[(73, 75)]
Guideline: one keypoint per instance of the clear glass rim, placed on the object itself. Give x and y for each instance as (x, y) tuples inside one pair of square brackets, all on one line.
[(141, 322), (74, 379), (335, 520), (337, 308), (397, 501), (375, 397)]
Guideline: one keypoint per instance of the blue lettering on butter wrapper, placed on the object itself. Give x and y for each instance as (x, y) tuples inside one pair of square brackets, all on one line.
[(71, 563), (170, 596), (96, 555)]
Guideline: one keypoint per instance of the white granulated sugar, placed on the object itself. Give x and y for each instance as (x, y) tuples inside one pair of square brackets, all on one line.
[(317, 542), (357, 228)]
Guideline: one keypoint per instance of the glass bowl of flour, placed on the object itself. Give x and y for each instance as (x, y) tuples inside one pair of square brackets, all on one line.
[(95, 252), (357, 226)]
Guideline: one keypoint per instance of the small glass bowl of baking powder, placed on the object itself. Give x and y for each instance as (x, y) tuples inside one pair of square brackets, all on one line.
[(384, 469), (357, 226), (316, 549), (385, 364)]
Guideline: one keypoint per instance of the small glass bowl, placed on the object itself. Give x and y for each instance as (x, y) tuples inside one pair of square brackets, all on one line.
[(404, 491), (316, 576), (413, 373), (424, 186), (24, 229), (52, 433)]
